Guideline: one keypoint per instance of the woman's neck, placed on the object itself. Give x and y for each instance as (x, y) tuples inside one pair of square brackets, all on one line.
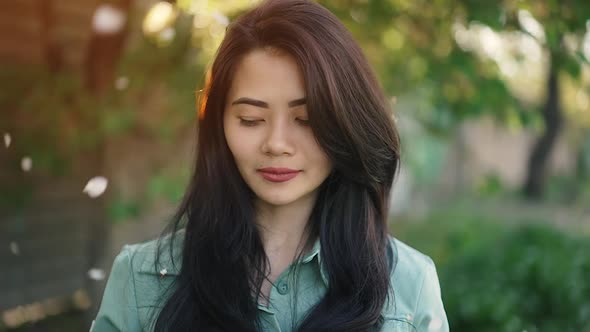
[(284, 228)]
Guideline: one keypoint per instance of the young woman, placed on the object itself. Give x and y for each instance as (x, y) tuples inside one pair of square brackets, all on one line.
[(284, 224)]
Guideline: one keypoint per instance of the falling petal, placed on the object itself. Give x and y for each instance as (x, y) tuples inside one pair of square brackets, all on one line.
[(122, 83), (409, 317), (14, 248), (96, 186), (7, 139), (26, 164), (163, 272), (96, 274), (108, 20), (435, 324)]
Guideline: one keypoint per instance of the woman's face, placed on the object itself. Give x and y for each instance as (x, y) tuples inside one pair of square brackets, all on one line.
[(265, 123)]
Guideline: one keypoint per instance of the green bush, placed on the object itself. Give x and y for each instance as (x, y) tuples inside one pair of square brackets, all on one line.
[(526, 278), (532, 279)]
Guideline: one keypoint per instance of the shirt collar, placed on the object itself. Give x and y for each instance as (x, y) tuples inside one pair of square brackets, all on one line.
[(316, 251), (172, 267), (307, 258)]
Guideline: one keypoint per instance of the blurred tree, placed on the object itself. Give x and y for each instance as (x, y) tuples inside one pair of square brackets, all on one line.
[(559, 20), (109, 31), (422, 48)]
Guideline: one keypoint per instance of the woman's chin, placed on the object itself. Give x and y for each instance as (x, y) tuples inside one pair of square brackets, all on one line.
[(277, 200)]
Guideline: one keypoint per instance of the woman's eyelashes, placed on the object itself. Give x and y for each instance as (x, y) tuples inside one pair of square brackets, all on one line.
[(249, 122), (303, 122), (254, 122)]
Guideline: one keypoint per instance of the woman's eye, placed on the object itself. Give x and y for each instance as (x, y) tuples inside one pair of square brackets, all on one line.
[(249, 123), (304, 122)]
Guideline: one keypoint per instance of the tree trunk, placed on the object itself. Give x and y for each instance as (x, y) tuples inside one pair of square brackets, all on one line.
[(552, 118), (104, 50)]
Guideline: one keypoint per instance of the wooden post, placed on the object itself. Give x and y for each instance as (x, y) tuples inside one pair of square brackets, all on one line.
[(110, 28)]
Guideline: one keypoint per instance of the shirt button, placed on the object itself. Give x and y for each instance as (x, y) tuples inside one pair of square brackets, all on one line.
[(283, 288)]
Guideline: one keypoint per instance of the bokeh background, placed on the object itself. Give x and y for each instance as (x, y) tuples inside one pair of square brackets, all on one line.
[(492, 98)]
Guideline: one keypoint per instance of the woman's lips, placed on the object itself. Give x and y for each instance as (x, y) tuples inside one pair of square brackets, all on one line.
[(274, 174)]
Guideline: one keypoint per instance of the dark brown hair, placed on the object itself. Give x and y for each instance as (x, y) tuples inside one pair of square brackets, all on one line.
[(224, 263)]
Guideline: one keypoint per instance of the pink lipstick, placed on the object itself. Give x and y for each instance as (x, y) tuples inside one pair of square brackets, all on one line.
[(275, 174)]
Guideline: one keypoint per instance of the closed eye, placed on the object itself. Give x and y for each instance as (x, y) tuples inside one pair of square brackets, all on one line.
[(249, 123), (303, 122)]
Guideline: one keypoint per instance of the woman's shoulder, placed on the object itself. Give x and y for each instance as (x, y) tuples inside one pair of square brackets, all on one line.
[(140, 275), (410, 264), (416, 289), (410, 270), (162, 256)]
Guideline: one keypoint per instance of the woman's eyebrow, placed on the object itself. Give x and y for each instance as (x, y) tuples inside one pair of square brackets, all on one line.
[(262, 104)]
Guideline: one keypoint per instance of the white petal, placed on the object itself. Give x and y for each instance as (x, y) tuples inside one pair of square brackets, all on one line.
[(96, 274), (26, 164), (108, 19), (122, 83), (14, 248), (7, 139), (96, 186)]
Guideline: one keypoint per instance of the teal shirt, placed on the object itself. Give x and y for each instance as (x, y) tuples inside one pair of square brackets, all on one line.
[(135, 287)]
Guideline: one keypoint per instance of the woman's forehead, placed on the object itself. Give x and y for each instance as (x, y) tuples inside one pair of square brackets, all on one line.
[(267, 74)]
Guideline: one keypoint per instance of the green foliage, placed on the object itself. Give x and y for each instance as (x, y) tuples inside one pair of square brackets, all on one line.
[(120, 210), (490, 185), (170, 187), (562, 189), (506, 278), (412, 46), (443, 234), (465, 59), (534, 279), (572, 190), (167, 187)]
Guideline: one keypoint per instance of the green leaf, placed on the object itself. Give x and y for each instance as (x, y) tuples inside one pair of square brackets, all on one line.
[(571, 66)]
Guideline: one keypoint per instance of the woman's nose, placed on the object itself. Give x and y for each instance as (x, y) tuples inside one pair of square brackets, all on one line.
[(277, 141)]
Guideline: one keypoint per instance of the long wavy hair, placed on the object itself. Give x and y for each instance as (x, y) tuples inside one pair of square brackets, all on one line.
[(223, 259)]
